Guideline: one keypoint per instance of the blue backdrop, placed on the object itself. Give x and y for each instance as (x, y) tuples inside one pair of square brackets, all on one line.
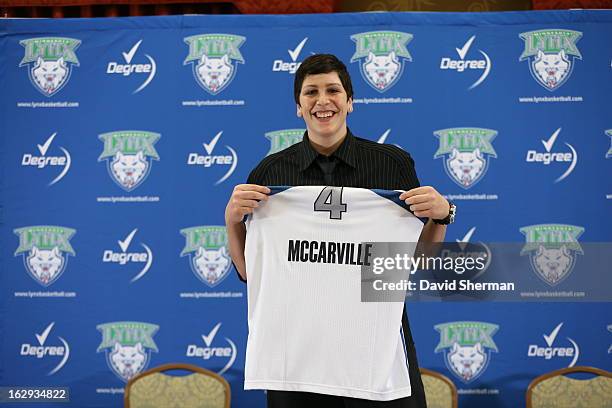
[(121, 141)]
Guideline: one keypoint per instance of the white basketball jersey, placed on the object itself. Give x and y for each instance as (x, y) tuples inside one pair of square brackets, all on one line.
[(308, 329)]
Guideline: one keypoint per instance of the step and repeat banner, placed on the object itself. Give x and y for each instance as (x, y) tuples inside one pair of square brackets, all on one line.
[(122, 139)]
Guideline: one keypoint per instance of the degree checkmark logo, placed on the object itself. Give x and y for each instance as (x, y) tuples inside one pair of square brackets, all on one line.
[(43, 149), (43, 336), (126, 242), (466, 239), (130, 54), (464, 50), (548, 144), (211, 336), (383, 137), (467, 236), (209, 147), (550, 339), (296, 52)]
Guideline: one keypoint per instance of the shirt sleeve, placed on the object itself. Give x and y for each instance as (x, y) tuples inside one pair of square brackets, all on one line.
[(407, 173), (412, 178), (256, 175)]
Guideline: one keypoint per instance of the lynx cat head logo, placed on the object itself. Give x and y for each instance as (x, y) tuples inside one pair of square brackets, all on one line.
[(382, 56), (282, 139), (466, 152), (50, 61), (609, 154), (551, 54), (552, 250), (129, 155), (215, 59), (467, 347), (207, 249), (45, 250), (127, 346)]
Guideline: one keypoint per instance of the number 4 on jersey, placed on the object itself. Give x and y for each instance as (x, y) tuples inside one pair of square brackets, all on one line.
[(330, 200)]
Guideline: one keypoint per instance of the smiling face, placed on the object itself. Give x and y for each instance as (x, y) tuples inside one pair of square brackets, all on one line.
[(324, 105)]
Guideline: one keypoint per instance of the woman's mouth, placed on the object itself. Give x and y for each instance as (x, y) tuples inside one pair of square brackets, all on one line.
[(323, 115)]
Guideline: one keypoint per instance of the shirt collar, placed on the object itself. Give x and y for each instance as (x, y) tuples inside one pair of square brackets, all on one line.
[(344, 152)]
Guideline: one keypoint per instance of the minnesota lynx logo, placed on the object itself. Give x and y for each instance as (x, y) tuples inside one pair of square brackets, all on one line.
[(552, 250), (50, 61), (466, 152), (127, 346), (609, 154), (551, 54), (467, 347), (208, 255), (282, 139), (45, 250), (215, 59), (129, 155), (382, 55)]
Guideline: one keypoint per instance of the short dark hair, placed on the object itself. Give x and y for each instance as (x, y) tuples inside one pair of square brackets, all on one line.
[(321, 64)]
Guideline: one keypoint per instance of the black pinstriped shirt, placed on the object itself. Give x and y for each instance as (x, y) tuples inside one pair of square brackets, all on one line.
[(356, 163)]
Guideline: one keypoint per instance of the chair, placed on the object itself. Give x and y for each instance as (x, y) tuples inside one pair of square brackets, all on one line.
[(199, 389), (555, 390), (440, 391)]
